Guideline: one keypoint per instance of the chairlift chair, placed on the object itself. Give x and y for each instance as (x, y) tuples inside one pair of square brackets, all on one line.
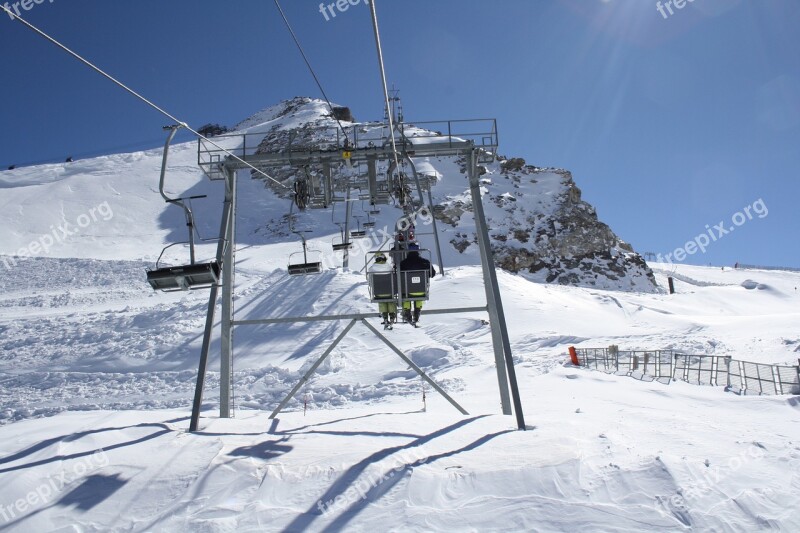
[(184, 277), (306, 267), (339, 246), (382, 285), (414, 284), (359, 233), (369, 223), (343, 243)]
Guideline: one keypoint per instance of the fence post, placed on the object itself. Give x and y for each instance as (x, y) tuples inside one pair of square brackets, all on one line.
[(776, 378), (671, 285), (728, 366), (613, 351), (798, 374), (742, 377), (760, 384)]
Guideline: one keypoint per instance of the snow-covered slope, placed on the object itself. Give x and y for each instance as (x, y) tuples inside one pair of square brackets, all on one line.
[(97, 374)]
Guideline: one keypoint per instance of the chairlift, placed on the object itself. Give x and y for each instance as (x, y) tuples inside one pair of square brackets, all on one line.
[(414, 285), (359, 233), (383, 286), (185, 277), (343, 244), (301, 193), (369, 223), (306, 267)]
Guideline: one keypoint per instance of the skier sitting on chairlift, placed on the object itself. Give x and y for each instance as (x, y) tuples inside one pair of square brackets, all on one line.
[(400, 239), (388, 310), (414, 262)]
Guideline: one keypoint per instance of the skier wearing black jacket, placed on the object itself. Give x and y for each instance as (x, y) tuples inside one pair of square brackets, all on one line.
[(414, 262)]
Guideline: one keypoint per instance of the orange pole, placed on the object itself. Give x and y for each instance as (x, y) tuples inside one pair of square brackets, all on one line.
[(573, 354)]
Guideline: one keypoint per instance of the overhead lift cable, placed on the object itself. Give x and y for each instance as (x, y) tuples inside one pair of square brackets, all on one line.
[(311, 69), (383, 80), (100, 71)]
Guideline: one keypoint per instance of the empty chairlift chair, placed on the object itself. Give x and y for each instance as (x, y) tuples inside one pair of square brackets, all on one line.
[(185, 277), (343, 243), (306, 267), (369, 223), (359, 233)]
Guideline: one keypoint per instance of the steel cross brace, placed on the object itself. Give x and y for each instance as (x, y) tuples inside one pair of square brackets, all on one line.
[(386, 341)]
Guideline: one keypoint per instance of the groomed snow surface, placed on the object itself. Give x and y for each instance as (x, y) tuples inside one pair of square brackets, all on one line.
[(98, 373)]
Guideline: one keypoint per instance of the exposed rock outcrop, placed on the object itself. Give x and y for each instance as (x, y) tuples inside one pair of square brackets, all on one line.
[(540, 226)]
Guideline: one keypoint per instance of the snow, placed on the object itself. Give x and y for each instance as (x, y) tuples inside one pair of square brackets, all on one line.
[(97, 373)]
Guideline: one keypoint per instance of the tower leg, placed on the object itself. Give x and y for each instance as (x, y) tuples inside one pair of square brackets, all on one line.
[(228, 272), (497, 319), (210, 314)]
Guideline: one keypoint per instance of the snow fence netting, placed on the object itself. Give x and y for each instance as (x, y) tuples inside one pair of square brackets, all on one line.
[(741, 377)]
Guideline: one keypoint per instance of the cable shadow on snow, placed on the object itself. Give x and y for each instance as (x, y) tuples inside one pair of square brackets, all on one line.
[(364, 434), (392, 478), (273, 430), (165, 429), (347, 479)]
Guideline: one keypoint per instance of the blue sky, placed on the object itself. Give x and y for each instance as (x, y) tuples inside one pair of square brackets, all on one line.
[(669, 123)]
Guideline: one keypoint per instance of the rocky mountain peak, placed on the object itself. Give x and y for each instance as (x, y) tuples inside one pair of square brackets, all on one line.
[(539, 225)]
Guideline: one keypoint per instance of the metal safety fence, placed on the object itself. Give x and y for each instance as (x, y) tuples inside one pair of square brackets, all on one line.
[(763, 379), (741, 377)]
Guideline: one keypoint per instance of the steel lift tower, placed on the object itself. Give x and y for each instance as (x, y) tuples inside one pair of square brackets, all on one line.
[(363, 149)]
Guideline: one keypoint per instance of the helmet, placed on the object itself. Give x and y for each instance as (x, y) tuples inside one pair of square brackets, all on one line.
[(413, 246), (380, 258)]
